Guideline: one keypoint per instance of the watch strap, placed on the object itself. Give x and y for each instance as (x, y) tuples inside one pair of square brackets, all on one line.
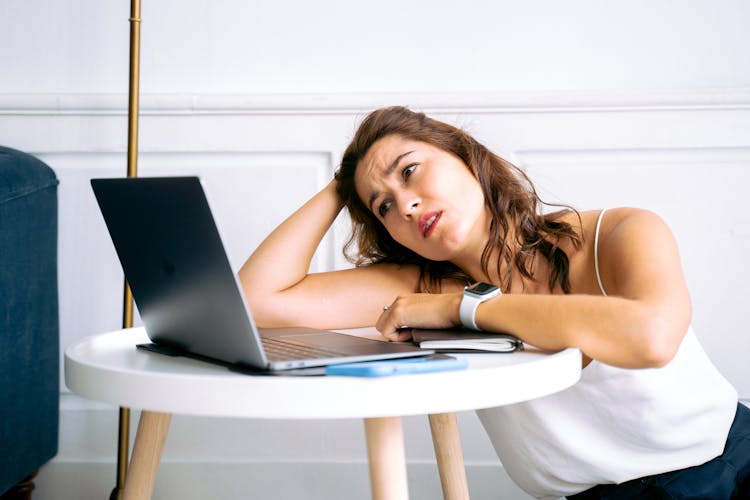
[(473, 296), (468, 310)]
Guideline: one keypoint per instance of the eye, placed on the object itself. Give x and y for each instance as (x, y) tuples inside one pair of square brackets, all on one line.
[(406, 172), (383, 208)]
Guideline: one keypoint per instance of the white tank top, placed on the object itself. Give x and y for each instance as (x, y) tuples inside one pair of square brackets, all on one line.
[(615, 424)]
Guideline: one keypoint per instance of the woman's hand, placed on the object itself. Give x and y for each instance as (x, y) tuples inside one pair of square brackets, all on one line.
[(418, 310)]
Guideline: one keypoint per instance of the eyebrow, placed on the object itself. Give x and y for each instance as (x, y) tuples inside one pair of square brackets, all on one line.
[(388, 171)]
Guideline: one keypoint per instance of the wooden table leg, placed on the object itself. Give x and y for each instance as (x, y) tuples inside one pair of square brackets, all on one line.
[(450, 459), (149, 443), (385, 452)]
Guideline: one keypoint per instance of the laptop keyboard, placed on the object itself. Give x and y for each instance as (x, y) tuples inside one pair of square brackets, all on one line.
[(283, 349)]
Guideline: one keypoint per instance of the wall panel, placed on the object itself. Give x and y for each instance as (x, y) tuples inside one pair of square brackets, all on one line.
[(678, 153)]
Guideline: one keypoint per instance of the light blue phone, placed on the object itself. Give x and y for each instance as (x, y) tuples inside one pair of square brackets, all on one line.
[(385, 368)]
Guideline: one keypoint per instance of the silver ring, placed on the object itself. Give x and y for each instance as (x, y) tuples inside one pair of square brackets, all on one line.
[(385, 308)]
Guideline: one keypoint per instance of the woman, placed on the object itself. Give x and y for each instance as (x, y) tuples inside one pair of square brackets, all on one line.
[(434, 211)]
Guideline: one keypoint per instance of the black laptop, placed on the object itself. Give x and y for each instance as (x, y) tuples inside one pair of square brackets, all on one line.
[(189, 298)]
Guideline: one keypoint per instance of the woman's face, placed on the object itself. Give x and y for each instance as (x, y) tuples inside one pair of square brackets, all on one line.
[(426, 198)]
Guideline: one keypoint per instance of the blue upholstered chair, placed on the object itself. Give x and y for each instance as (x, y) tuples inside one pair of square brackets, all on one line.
[(29, 331)]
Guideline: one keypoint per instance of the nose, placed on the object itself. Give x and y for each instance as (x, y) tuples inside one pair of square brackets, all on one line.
[(408, 204)]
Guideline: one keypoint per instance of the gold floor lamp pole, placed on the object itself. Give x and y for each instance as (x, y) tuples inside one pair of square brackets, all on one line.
[(123, 438)]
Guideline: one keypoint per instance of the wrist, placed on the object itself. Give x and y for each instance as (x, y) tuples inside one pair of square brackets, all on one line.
[(332, 190), (455, 306), (472, 297)]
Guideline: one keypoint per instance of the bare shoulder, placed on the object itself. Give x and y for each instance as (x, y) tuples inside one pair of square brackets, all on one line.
[(623, 227), (614, 220), (616, 224), (638, 254), (628, 245)]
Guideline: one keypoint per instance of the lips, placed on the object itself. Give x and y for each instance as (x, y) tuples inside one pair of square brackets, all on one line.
[(428, 222)]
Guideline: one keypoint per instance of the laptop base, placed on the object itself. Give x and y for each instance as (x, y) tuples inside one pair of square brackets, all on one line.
[(234, 367)]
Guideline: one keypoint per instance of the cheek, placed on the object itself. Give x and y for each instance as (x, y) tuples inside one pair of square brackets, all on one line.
[(464, 189), (468, 202), (400, 235)]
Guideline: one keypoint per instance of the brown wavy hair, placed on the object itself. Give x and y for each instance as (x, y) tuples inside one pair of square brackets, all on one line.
[(508, 193)]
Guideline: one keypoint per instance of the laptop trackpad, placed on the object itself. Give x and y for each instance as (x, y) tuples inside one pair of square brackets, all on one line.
[(340, 342), (317, 337)]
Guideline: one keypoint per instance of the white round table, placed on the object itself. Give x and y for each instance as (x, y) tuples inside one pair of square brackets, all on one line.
[(109, 368)]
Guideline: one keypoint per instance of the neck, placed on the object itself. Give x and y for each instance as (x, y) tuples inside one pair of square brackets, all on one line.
[(470, 260)]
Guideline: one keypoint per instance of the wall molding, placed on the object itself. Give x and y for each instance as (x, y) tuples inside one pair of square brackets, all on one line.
[(678, 153), (347, 103), (111, 160)]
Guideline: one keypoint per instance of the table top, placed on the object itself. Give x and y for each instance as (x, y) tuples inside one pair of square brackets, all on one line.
[(109, 368)]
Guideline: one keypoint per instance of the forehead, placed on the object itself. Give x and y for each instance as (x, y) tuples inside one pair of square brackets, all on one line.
[(384, 151), (373, 167)]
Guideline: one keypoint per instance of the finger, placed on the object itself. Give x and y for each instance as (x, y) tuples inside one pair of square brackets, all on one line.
[(386, 325), (400, 335), (393, 333)]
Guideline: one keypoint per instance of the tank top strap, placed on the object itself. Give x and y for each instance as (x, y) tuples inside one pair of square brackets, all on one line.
[(596, 251)]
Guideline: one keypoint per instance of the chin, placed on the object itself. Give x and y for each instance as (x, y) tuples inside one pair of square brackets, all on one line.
[(444, 254)]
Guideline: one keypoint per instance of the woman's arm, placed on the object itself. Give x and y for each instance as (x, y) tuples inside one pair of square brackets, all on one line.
[(280, 291), (639, 324)]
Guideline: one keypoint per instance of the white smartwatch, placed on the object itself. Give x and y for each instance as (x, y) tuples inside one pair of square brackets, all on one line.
[(473, 296)]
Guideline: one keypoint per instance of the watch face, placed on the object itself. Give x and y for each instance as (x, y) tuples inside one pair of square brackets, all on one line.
[(481, 288)]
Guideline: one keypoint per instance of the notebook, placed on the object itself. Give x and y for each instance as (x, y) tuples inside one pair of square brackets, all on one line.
[(461, 340), (190, 300)]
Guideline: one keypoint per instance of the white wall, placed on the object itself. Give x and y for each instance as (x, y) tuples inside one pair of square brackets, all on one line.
[(604, 103), (240, 47)]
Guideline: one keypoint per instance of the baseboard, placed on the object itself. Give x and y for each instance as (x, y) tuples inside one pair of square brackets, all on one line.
[(264, 481)]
